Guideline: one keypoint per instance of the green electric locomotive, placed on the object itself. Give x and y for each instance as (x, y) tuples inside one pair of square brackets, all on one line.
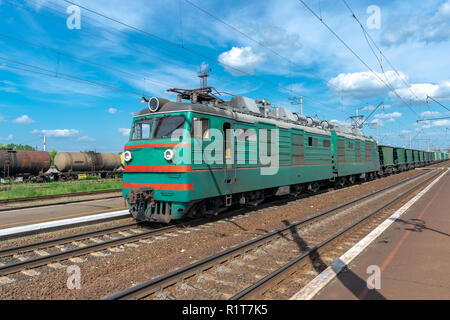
[(196, 158), (199, 157)]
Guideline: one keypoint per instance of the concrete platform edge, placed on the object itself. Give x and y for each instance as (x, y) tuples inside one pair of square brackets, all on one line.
[(59, 223)]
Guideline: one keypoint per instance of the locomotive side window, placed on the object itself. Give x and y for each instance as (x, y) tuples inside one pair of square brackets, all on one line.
[(358, 152), (166, 126), (200, 128), (142, 129), (368, 152), (326, 143), (310, 141)]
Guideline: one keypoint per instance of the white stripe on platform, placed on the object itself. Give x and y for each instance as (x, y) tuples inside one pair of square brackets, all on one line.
[(318, 283), (60, 223)]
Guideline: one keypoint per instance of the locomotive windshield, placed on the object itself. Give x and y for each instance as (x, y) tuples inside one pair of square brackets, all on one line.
[(142, 129), (164, 127)]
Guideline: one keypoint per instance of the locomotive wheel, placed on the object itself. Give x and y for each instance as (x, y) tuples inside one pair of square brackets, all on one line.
[(313, 187), (340, 183), (351, 180)]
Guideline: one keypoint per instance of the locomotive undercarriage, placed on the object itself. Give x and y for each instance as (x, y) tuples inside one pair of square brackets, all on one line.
[(144, 207)]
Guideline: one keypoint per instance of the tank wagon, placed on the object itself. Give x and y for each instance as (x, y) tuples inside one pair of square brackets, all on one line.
[(29, 165), (33, 166), (90, 163)]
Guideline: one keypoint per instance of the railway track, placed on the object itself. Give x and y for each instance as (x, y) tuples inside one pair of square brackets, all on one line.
[(46, 252), (250, 269), (56, 196), (49, 252), (38, 254)]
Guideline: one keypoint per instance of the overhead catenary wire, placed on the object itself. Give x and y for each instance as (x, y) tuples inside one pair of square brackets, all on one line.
[(84, 30), (290, 61), (51, 73), (192, 51), (61, 53), (352, 51), (428, 97), (366, 34), (146, 52)]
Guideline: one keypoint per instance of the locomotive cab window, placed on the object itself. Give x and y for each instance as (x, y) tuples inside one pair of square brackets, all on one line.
[(167, 127), (200, 128), (142, 129)]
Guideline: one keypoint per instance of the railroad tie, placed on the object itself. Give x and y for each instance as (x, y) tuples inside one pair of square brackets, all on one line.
[(31, 273), (6, 280)]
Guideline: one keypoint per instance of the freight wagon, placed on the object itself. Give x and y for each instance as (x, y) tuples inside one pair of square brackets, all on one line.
[(34, 166)]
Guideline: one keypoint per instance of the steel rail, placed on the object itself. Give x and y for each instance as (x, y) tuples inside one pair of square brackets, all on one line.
[(52, 258), (266, 282), (40, 245), (62, 195), (40, 261), (147, 288)]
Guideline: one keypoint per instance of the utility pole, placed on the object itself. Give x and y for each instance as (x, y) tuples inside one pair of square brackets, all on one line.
[(294, 101), (355, 118), (410, 141), (45, 144)]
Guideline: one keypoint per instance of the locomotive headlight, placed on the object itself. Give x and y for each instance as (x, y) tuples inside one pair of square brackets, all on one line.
[(168, 154), (127, 156)]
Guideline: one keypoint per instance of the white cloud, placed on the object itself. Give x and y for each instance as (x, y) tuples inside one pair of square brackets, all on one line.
[(366, 84), (240, 58), (85, 138), (8, 138), (57, 133), (368, 108), (388, 115), (378, 122), (441, 123), (7, 86), (419, 28), (23, 120), (420, 91), (112, 110), (124, 131), (430, 114)]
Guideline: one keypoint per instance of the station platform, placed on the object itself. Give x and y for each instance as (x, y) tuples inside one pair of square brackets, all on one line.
[(413, 255), (29, 216)]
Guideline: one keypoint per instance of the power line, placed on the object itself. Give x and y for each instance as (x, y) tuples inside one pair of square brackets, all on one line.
[(192, 51), (351, 50), (441, 118), (51, 73), (428, 97), (263, 45), (366, 34), (146, 52), (60, 53)]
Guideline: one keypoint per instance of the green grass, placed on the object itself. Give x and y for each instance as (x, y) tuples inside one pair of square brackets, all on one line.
[(25, 190)]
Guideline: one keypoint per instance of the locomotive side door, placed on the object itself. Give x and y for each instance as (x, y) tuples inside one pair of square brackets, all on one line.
[(229, 154)]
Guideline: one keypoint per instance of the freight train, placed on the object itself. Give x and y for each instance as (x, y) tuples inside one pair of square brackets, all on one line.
[(35, 166), (169, 175)]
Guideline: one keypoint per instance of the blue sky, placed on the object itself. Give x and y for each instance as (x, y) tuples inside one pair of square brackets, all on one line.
[(413, 35)]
